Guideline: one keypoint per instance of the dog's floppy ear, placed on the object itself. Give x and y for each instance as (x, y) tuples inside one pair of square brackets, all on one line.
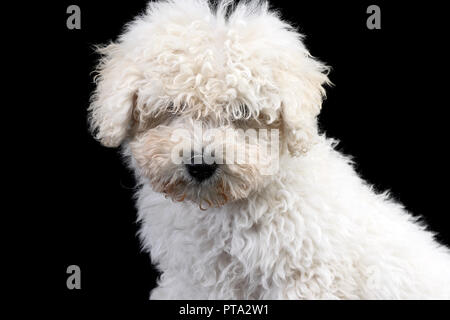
[(302, 94), (111, 106)]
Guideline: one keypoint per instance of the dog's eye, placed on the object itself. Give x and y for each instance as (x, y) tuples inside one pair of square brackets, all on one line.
[(242, 112), (171, 109)]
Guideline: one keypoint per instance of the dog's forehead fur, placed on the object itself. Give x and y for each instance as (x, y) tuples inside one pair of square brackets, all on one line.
[(198, 61), (188, 56)]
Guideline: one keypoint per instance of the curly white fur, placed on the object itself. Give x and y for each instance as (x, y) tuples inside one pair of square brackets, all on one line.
[(313, 230)]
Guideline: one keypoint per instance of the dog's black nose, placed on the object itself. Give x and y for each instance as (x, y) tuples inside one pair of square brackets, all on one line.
[(201, 171)]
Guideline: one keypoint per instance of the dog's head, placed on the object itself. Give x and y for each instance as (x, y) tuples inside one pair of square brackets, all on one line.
[(198, 92)]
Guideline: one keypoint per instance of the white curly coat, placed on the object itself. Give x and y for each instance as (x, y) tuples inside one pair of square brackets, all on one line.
[(313, 230), (316, 232)]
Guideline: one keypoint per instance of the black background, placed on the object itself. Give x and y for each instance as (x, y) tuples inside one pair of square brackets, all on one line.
[(387, 108)]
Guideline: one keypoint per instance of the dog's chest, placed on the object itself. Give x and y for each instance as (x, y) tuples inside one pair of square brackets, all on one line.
[(232, 252)]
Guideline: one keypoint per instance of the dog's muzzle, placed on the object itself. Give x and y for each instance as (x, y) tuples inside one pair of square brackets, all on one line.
[(201, 171)]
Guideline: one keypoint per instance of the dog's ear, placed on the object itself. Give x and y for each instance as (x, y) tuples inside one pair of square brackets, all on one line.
[(110, 111), (303, 80)]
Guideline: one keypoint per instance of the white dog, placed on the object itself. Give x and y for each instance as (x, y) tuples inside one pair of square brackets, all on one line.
[(311, 229)]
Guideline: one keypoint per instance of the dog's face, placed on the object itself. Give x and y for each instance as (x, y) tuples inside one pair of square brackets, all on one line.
[(207, 99)]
